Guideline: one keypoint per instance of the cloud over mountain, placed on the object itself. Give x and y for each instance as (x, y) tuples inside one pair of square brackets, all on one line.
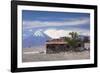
[(55, 33)]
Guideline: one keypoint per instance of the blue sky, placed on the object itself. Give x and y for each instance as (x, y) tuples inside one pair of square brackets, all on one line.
[(54, 24), (50, 16)]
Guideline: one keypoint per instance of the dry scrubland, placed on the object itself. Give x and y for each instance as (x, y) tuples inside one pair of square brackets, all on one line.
[(30, 55)]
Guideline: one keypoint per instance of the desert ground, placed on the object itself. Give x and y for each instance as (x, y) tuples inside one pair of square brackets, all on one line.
[(30, 55)]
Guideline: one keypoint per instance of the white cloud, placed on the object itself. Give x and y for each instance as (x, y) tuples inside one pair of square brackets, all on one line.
[(55, 33), (30, 30), (77, 21)]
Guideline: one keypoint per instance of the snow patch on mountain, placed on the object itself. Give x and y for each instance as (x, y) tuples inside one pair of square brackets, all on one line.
[(38, 33)]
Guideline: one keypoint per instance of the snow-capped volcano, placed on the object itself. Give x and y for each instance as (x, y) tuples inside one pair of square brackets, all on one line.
[(38, 38), (38, 33)]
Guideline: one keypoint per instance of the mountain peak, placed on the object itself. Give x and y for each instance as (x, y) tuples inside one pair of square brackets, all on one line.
[(38, 38), (38, 33)]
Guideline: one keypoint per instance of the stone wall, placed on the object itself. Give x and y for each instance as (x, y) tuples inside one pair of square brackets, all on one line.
[(56, 48)]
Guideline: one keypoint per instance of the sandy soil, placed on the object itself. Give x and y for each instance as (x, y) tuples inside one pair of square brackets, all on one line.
[(33, 56)]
